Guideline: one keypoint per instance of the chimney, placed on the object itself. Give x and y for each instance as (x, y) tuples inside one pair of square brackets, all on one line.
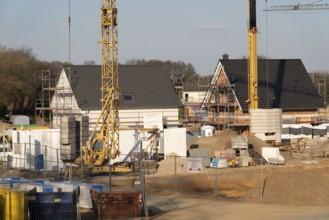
[(225, 56)]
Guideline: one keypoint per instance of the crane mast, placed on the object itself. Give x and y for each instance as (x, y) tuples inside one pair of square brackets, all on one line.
[(110, 80), (108, 121), (252, 62)]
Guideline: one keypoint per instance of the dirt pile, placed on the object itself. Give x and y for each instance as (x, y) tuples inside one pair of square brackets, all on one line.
[(302, 181), (222, 141), (293, 186)]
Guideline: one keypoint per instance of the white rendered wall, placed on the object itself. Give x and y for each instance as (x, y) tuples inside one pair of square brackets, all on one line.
[(175, 141), (135, 117)]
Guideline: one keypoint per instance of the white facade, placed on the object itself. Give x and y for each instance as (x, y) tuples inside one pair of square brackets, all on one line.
[(135, 117), (63, 102), (193, 96)]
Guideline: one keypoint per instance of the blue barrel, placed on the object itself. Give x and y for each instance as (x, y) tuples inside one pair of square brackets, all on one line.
[(52, 205), (39, 162)]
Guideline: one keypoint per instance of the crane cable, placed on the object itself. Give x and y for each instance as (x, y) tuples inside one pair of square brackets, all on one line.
[(266, 56)]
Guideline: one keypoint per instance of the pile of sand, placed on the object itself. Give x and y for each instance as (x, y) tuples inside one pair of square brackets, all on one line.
[(222, 141), (293, 186)]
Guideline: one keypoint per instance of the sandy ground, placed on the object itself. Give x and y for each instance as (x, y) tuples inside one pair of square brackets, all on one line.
[(178, 206)]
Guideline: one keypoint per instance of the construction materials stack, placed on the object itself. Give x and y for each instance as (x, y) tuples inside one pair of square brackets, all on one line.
[(266, 124), (82, 131), (68, 138)]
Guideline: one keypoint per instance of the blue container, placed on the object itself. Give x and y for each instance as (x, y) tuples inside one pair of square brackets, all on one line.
[(10, 178), (47, 188), (98, 187), (39, 162), (52, 205), (43, 181), (16, 178)]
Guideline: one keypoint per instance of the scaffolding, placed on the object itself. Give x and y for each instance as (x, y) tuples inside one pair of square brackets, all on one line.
[(43, 114), (63, 102), (223, 107), (220, 100), (56, 100)]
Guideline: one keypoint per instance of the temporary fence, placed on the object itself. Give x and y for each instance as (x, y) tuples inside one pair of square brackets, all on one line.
[(39, 199), (44, 199), (49, 163), (191, 175), (42, 157)]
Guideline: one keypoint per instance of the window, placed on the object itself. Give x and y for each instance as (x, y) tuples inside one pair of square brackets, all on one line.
[(128, 98), (186, 97)]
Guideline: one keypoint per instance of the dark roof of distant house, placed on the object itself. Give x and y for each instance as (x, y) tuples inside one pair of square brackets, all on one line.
[(145, 86), (282, 83), (193, 87)]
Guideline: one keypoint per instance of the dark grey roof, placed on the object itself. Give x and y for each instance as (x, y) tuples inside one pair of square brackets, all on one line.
[(193, 87), (149, 85), (282, 83)]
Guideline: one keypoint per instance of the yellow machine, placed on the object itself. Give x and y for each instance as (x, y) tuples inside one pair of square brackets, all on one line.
[(252, 65), (106, 130)]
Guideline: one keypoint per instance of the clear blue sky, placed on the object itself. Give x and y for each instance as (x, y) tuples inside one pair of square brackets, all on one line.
[(193, 31)]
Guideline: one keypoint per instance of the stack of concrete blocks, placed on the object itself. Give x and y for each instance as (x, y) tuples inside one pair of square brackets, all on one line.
[(293, 132), (68, 138), (327, 127), (319, 130), (203, 153), (266, 124), (307, 131), (240, 144), (285, 135), (82, 131)]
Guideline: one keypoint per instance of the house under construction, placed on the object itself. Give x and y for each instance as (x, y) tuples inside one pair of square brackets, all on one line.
[(283, 84)]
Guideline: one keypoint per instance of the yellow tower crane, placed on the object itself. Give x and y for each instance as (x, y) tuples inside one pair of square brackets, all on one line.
[(106, 130), (252, 62)]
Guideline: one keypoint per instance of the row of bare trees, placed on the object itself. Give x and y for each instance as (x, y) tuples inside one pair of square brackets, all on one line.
[(21, 84), (20, 79), (320, 80), (20, 76)]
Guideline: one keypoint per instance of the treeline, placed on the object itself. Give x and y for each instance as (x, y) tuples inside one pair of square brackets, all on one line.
[(20, 77), (320, 80), (20, 72)]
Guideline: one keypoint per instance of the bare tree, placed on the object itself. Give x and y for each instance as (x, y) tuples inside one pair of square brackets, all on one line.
[(20, 77), (89, 62)]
